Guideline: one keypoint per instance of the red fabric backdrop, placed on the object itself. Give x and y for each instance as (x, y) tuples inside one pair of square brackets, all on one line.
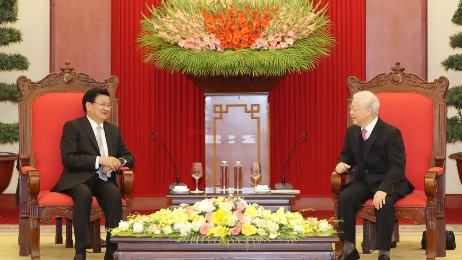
[(170, 105)]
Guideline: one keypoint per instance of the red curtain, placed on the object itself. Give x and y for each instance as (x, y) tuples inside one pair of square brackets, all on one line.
[(170, 105)]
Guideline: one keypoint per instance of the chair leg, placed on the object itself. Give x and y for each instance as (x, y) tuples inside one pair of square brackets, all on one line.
[(59, 231), (23, 236), (34, 233), (69, 241), (441, 236), (96, 231)]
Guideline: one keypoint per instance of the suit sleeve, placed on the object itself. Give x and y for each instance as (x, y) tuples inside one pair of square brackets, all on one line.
[(346, 155), (123, 151), (76, 149)]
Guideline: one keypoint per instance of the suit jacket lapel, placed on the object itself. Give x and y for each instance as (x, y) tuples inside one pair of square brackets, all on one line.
[(355, 148), (109, 138), (374, 135)]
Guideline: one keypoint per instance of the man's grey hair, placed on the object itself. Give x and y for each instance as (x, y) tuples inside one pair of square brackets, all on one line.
[(368, 99)]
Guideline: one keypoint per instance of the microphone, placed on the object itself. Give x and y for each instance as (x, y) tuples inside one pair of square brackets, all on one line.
[(177, 176), (283, 185)]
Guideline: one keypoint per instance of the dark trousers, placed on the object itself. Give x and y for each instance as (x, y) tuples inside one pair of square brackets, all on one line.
[(110, 200), (350, 201)]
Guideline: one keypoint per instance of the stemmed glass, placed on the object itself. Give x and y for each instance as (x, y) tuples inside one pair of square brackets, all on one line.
[(196, 172), (255, 171)]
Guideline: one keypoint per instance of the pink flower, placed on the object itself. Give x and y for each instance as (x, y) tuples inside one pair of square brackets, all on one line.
[(234, 231), (284, 45), (153, 228), (241, 206), (208, 216), (238, 214), (290, 41), (204, 229)]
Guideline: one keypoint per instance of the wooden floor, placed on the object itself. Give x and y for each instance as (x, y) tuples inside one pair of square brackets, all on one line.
[(407, 249)]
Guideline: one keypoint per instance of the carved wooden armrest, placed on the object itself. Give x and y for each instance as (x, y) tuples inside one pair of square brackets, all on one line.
[(33, 180), (431, 181), (336, 183), (126, 182)]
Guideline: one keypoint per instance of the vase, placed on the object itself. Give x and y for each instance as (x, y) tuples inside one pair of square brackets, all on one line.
[(458, 158), (235, 84)]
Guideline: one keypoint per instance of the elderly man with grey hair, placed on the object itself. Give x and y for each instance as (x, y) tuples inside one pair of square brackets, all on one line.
[(377, 149)]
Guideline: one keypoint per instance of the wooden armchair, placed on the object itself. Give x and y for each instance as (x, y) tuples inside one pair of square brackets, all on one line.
[(418, 109), (44, 107)]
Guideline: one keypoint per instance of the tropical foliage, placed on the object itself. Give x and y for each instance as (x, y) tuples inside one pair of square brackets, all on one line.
[(236, 37)]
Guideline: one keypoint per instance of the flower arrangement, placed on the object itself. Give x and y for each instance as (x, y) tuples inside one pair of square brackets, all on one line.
[(236, 37), (222, 219)]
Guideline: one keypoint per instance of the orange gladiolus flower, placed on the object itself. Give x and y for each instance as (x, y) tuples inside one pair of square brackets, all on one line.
[(237, 29)]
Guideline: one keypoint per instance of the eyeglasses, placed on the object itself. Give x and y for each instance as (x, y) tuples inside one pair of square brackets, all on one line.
[(103, 104)]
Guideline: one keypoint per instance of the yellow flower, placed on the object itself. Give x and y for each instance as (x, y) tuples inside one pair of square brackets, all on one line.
[(249, 230), (221, 217), (251, 211), (218, 231)]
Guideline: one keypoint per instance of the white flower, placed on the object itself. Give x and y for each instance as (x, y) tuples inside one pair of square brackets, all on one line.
[(232, 221), (138, 227), (298, 229), (123, 225), (167, 230), (206, 206), (273, 226), (226, 206), (324, 225)]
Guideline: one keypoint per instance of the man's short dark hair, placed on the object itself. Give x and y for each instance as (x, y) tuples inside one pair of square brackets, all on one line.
[(91, 95)]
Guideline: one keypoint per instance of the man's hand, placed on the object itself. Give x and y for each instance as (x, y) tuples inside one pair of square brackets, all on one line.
[(109, 163), (342, 167), (379, 199)]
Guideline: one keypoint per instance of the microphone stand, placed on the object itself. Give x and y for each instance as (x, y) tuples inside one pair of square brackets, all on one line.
[(177, 175), (283, 185)]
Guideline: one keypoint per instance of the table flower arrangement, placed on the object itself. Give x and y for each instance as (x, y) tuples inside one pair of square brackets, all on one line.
[(223, 219), (235, 37)]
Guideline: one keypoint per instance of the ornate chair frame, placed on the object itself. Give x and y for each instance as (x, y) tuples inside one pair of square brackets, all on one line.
[(430, 210), (32, 212)]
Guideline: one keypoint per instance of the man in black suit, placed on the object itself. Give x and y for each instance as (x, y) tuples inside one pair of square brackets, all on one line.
[(92, 150), (377, 149)]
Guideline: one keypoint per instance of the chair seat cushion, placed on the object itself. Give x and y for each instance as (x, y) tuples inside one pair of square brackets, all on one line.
[(48, 198), (416, 199)]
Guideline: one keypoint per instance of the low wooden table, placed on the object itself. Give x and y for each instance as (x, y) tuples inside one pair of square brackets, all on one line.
[(268, 201), (320, 248)]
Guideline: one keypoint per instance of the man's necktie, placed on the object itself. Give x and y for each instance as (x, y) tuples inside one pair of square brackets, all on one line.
[(102, 176), (363, 134)]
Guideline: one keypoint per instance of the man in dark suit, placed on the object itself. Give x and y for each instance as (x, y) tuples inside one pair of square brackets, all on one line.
[(377, 149), (92, 150)]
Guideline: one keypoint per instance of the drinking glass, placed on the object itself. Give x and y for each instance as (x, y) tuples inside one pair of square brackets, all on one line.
[(196, 172), (255, 171)]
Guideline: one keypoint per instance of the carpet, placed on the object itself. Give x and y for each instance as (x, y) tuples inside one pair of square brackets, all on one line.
[(453, 216)]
